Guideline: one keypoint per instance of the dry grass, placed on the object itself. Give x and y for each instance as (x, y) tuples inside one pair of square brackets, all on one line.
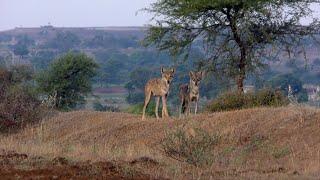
[(257, 143)]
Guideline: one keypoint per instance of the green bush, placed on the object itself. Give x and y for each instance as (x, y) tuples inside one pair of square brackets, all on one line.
[(70, 78), (235, 100), (196, 149), (150, 111)]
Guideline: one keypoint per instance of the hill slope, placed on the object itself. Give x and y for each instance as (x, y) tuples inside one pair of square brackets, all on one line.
[(259, 143)]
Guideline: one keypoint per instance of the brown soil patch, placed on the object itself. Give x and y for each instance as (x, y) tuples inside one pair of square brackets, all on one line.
[(20, 166)]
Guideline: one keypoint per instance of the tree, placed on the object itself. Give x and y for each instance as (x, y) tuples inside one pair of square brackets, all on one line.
[(237, 36), (69, 78)]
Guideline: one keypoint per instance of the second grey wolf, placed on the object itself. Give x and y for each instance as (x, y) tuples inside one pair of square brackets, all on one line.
[(158, 87), (190, 93)]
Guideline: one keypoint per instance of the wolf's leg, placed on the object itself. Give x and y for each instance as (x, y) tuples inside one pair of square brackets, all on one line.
[(181, 109), (146, 102), (189, 108), (164, 107), (157, 106), (196, 108)]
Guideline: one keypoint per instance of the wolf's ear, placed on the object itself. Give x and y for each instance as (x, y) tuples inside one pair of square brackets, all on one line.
[(191, 74), (173, 70), (162, 70)]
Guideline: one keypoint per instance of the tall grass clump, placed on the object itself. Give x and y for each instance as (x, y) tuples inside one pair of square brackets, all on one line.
[(234, 100), (196, 148)]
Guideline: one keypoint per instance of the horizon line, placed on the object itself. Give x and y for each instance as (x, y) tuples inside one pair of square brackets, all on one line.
[(75, 27)]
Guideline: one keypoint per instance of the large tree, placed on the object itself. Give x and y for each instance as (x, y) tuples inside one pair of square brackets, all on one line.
[(237, 36)]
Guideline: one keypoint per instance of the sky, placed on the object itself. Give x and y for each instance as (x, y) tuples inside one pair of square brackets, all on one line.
[(73, 13), (77, 13)]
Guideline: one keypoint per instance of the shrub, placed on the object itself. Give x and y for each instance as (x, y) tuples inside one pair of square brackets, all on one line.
[(19, 104), (196, 149), (135, 97), (137, 109), (282, 81), (97, 106), (234, 100)]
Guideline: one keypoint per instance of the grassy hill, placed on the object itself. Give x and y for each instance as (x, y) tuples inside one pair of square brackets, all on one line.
[(259, 143)]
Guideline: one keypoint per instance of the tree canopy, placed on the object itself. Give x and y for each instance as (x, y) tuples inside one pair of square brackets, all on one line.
[(236, 36), (69, 79)]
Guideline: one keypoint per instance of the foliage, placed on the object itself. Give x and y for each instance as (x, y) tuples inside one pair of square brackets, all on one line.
[(69, 77), (21, 47), (137, 80), (235, 100), (137, 109), (196, 149), (64, 41), (234, 34), (135, 97), (25, 39), (5, 38), (19, 104), (42, 59), (112, 71), (97, 106), (106, 40), (2, 62), (284, 80)]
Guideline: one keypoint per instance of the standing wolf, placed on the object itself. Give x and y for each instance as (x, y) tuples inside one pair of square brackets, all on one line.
[(190, 92), (158, 87)]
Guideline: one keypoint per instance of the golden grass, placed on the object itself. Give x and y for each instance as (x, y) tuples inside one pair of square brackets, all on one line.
[(257, 143)]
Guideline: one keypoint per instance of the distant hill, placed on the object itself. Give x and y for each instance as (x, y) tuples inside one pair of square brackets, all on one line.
[(119, 52), (106, 44), (37, 32)]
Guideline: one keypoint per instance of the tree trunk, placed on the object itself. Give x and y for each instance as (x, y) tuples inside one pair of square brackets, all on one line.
[(240, 84), (242, 69), (243, 52)]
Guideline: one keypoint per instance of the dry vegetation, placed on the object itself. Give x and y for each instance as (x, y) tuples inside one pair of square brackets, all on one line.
[(257, 143)]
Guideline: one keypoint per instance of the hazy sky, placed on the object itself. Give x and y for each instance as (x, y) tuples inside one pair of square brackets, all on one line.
[(72, 13), (76, 13)]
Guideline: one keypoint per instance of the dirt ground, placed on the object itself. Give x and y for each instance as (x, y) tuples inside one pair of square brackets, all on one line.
[(259, 143), (21, 166)]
